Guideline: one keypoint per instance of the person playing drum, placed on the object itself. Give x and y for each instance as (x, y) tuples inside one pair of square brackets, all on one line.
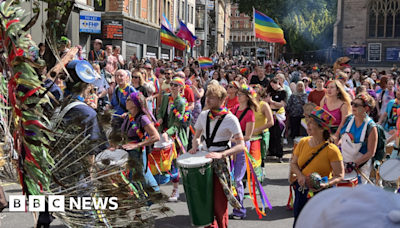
[(359, 136), (171, 115), (217, 126), (315, 154), (139, 130)]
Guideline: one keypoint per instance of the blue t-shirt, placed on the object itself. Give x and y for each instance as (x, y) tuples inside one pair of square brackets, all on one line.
[(356, 132), (388, 110), (122, 99)]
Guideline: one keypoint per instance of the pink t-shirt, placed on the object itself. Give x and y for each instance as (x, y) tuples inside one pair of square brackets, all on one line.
[(111, 60), (249, 117)]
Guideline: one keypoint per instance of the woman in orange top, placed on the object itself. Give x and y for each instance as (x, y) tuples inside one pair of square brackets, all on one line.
[(327, 160)]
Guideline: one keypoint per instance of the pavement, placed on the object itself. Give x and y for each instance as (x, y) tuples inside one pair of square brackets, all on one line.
[(276, 187)]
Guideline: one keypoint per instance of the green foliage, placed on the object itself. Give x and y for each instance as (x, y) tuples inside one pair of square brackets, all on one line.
[(308, 25)]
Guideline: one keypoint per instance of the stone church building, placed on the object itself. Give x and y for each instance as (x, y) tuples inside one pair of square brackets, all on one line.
[(372, 25)]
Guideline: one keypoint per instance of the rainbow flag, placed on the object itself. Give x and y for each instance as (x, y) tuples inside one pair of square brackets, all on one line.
[(205, 62), (266, 29), (169, 38)]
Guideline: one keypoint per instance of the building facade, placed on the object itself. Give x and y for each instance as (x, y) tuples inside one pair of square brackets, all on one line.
[(242, 40), (373, 27)]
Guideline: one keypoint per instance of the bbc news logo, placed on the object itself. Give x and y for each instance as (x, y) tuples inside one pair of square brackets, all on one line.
[(56, 203)]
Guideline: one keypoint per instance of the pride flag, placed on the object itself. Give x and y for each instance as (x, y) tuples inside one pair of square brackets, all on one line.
[(266, 29), (165, 22), (205, 62), (186, 34), (169, 38)]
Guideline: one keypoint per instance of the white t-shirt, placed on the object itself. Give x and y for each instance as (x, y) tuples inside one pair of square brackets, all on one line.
[(229, 127)]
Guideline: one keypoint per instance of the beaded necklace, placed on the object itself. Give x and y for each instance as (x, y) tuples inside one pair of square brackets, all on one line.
[(183, 118), (136, 128)]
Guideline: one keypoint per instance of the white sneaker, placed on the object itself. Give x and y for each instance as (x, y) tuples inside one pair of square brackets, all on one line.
[(285, 142), (174, 195)]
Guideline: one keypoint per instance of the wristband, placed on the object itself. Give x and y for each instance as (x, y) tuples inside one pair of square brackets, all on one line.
[(239, 139)]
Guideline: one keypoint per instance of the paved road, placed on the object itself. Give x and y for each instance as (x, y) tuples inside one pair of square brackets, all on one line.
[(275, 186)]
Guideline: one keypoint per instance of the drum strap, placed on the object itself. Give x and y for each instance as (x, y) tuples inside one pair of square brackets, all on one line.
[(209, 140)]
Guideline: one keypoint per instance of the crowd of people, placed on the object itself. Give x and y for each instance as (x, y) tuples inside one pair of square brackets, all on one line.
[(254, 106)]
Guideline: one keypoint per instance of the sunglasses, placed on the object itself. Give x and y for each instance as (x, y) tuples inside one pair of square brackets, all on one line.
[(231, 86), (174, 85), (135, 77), (347, 72), (168, 73), (357, 105)]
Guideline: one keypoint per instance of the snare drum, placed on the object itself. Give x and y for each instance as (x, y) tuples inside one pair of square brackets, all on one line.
[(161, 156), (197, 177), (113, 162), (349, 180), (390, 170)]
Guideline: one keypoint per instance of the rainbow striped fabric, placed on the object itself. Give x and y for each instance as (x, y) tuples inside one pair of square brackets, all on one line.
[(266, 29), (205, 62), (169, 38)]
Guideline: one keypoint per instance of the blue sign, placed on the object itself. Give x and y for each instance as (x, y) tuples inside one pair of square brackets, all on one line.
[(393, 54), (90, 22)]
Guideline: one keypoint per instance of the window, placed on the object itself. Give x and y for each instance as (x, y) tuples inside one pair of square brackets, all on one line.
[(237, 24), (191, 14), (237, 13), (384, 19), (169, 11), (183, 11), (138, 10), (246, 24)]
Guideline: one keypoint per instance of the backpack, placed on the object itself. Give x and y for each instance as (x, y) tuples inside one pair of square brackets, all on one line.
[(381, 145)]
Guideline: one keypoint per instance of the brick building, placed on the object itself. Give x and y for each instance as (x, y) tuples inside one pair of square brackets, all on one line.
[(242, 40), (376, 23)]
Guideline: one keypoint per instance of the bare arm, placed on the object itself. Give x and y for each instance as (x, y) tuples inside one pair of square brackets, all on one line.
[(301, 178), (345, 112), (249, 130), (266, 110), (338, 172), (191, 105), (382, 118), (195, 142), (153, 138)]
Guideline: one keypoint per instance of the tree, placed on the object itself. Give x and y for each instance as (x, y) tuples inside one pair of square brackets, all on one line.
[(307, 25)]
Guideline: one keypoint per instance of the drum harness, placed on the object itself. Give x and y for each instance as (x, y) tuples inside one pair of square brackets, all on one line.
[(210, 140)]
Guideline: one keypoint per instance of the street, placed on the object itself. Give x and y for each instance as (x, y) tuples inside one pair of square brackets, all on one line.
[(276, 187)]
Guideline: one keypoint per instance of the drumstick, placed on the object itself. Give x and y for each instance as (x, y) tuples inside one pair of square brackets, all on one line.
[(116, 115), (363, 175)]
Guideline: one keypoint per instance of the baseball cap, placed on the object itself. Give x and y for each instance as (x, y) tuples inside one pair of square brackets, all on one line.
[(364, 206)]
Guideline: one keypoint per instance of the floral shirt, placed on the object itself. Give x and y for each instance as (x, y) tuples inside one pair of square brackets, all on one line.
[(295, 105)]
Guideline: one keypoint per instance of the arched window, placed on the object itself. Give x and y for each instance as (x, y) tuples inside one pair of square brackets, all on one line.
[(384, 19)]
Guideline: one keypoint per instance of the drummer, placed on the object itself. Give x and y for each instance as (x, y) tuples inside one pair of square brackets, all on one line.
[(171, 115), (327, 160), (359, 136), (263, 121), (140, 132), (222, 126)]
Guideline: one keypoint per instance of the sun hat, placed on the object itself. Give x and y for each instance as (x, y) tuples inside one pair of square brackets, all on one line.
[(322, 117)]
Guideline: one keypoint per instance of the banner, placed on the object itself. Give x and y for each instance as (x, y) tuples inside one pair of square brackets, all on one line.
[(355, 50)]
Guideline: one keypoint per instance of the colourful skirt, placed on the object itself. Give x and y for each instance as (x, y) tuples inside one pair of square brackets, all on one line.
[(255, 156)]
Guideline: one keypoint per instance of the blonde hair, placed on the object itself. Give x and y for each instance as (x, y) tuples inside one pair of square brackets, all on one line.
[(343, 95), (140, 75), (216, 90)]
